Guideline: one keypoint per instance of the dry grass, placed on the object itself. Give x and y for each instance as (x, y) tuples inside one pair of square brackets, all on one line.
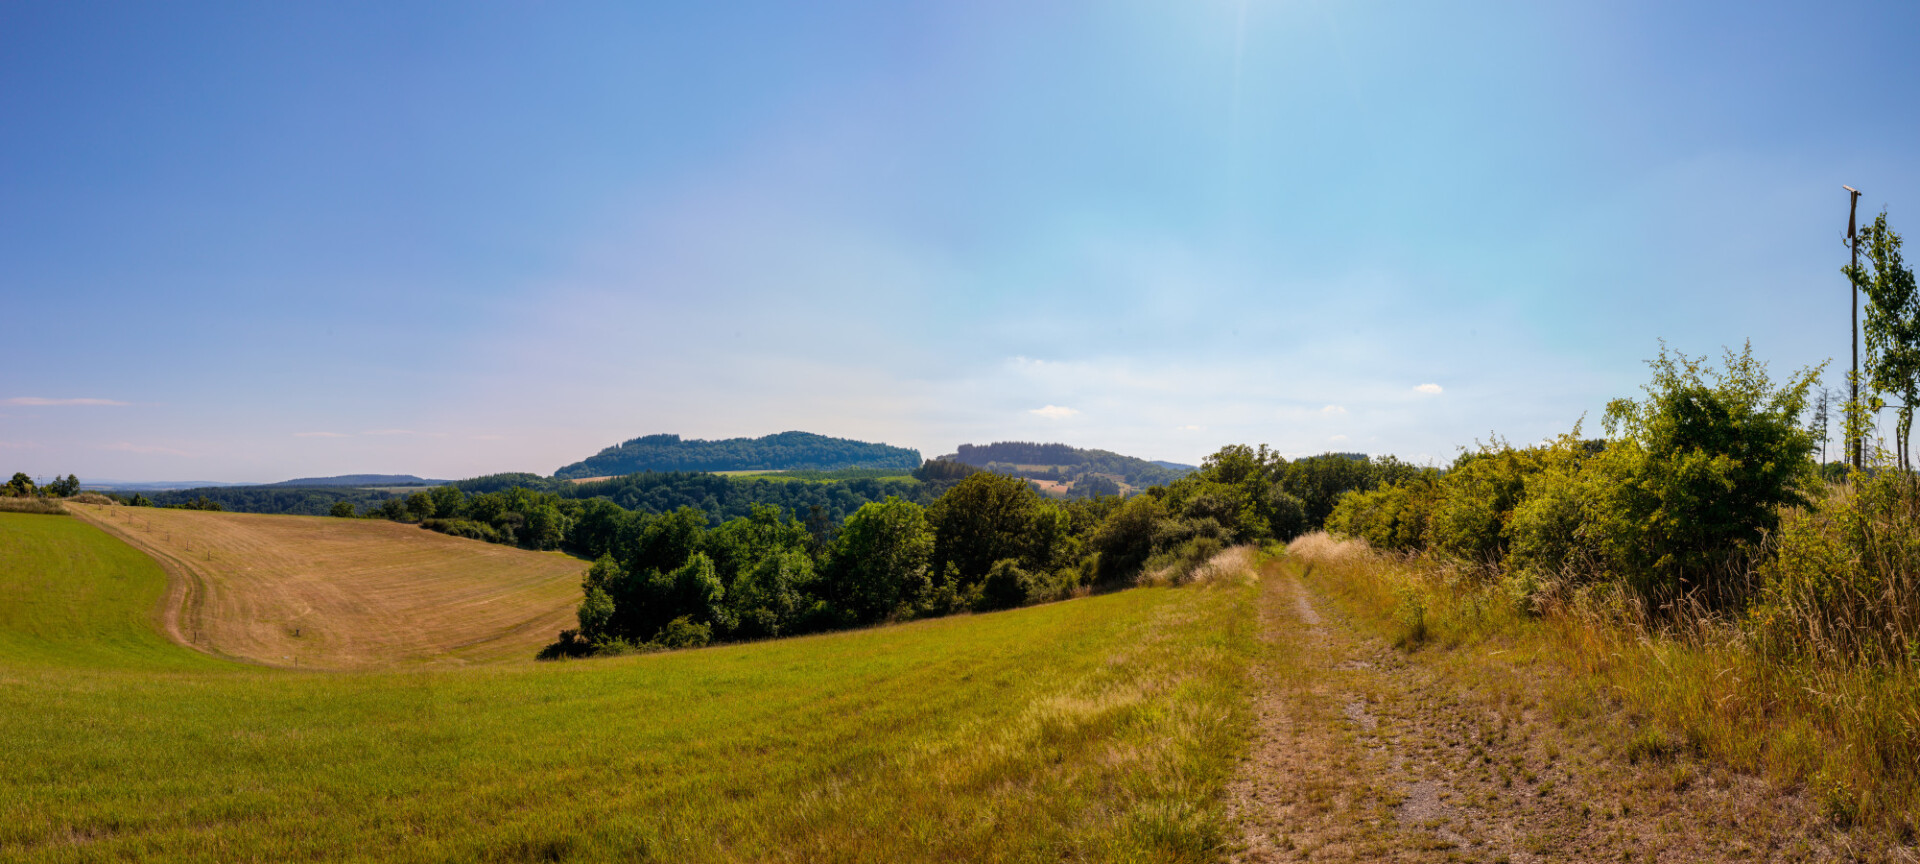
[(1690, 742), (1055, 488), (1323, 548), (31, 505), (1239, 564), (325, 593)]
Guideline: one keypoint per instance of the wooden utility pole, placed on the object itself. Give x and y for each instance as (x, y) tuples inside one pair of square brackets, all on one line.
[(1855, 430)]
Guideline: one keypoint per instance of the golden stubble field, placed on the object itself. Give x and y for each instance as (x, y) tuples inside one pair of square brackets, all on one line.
[(326, 593)]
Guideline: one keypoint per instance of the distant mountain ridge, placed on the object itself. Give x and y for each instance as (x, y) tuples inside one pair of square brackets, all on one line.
[(780, 452), (360, 480)]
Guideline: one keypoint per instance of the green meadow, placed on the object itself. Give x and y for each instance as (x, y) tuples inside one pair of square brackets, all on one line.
[(1096, 729)]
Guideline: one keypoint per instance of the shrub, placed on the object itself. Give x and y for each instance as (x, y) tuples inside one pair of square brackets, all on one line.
[(1477, 499), (570, 644), (1007, 586), (461, 528), (684, 632), (1125, 540), (1547, 527), (596, 614), (1392, 517), (1177, 565), (1698, 473)]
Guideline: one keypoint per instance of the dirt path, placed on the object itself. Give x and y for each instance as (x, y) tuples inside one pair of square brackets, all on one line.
[(1367, 753)]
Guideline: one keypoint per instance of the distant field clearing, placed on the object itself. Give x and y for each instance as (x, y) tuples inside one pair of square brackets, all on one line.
[(327, 593)]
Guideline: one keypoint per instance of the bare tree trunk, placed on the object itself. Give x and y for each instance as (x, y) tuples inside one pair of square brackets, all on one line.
[(1904, 432)]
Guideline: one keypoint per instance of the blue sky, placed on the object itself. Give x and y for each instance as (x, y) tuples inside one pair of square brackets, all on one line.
[(254, 241)]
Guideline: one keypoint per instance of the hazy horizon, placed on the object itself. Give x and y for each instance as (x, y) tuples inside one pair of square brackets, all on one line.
[(248, 243)]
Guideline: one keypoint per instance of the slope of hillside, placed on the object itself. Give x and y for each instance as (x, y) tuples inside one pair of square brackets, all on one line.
[(1100, 729), (72, 596), (787, 450), (346, 593)]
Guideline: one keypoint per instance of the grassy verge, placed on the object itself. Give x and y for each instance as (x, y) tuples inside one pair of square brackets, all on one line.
[(1848, 739), (1098, 729)]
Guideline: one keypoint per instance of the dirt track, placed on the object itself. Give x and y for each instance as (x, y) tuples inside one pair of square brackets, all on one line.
[(325, 593), (1367, 753)]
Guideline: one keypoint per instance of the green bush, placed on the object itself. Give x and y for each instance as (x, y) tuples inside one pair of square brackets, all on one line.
[(1123, 543), (459, 528), (684, 632), (1007, 586), (1695, 474), (1476, 503), (1392, 517), (1177, 565)]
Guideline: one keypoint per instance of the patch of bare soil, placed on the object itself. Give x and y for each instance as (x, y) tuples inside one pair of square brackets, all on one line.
[(1367, 753)]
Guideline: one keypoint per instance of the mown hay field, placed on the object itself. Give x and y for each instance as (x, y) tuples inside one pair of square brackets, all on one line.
[(1098, 729), (326, 593)]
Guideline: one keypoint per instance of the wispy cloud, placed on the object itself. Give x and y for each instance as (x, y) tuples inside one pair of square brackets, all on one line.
[(1338, 438), (1191, 428), (1429, 389), (43, 401), (320, 435), (127, 447), (408, 432), (1054, 412), (1333, 410), (18, 445)]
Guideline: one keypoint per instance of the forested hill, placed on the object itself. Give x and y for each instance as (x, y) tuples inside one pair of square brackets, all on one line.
[(785, 451), (1065, 463), (361, 480)]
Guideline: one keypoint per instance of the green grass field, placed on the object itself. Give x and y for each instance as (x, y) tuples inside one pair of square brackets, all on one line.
[(1098, 729)]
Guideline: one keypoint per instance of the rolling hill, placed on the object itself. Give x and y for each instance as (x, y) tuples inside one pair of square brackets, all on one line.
[(1097, 729), (784, 451), (1063, 469), (346, 593)]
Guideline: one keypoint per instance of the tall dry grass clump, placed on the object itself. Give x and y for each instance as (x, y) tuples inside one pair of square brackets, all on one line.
[(1238, 565), (1320, 547), (1843, 582), (31, 504)]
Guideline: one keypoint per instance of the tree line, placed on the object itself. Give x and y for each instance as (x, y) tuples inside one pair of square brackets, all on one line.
[(1684, 488), (1064, 463), (785, 450), (22, 486), (989, 541)]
